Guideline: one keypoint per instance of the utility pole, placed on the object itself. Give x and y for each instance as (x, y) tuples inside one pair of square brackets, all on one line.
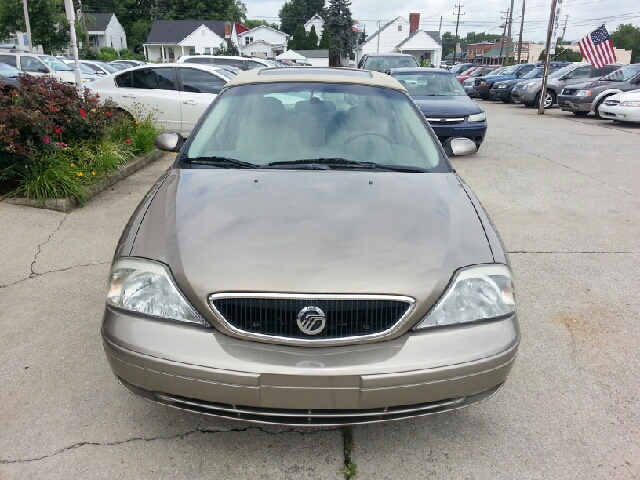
[(543, 92), (455, 48), (84, 23), (378, 47), (564, 29), (71, 16), (521, 27), (26, 21), (440, 27), (504, 32), (509, 33)]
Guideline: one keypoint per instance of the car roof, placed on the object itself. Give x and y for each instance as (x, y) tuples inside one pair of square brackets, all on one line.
[(390, 54), (316, 75), (421, 70)]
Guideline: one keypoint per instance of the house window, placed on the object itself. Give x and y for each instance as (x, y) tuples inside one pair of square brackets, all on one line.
[(15, 41), (192, 51), (25, 39), (399, 28), (207, 50), (172, 55), (248, 40)]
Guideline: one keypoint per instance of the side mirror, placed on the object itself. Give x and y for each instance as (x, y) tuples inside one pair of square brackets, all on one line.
[(169, 142), (459, 147), (43, 69), (566, 76)]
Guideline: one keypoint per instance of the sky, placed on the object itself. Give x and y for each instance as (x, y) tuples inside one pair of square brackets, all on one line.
[(480, 15)]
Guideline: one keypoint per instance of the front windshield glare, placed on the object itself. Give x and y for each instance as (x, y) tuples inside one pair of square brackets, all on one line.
[(431, 84), (55, 64), (562, 71), (624, 74), (511, 70), (285, 122)]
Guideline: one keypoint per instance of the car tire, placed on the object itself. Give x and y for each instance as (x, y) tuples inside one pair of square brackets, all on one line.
[(596, 110), (581, 114), (513, 100), (550, 100)]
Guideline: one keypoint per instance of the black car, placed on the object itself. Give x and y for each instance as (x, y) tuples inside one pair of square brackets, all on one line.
[(503, 90), (8, 77), (444, 103)]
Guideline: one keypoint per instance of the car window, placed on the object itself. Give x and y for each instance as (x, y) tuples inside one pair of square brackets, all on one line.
[(84, 68), (278, 122), (382, 64), (624, 74), (153, 78), (200, 60), (582, 72), (431, 84), (54, 64), (252, 64), (125, 80), (234, 62), (525, 70), (8, 71), (606, 70), (9, 60), (31, 64), (92, 68), (197, 81)]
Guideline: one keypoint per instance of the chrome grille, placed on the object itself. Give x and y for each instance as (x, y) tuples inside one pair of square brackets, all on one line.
[(346, 317), (444, 120), (612, 103)]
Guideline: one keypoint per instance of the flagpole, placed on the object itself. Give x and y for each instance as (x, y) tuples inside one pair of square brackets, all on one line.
[(543, 92)]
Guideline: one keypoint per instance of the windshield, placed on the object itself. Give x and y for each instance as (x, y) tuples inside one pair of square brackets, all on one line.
[(108, 68), (8, 71), (458, 69), (535, 73), (284, 122), (382, 64), (431, 84), (54, 64), (83, 67), (622, 75), (563, 71), (511, 70)]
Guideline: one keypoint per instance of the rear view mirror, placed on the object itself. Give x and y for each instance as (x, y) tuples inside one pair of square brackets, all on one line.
[(459, 147), (169, 142)]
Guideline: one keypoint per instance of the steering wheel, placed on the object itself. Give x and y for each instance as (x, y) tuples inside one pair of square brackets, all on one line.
[(375, 134)]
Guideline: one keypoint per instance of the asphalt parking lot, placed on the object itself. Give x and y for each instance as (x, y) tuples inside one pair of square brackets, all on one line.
[(565, 194)]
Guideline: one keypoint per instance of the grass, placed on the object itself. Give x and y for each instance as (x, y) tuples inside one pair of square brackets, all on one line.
[(350, 469)]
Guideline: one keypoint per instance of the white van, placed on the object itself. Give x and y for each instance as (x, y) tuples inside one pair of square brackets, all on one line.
[(41, 65)]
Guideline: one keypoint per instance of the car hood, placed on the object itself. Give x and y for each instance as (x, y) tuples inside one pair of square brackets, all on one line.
[(447, 106), (632, 95), (511, 82), (591, 85), (312, 232)]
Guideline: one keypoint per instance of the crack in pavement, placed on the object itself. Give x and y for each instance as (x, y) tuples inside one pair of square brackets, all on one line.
[(35, 259), (179, 436), (35, 275)]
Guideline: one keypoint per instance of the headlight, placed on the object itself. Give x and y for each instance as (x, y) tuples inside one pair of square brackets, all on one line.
[(501, 85), (477, 117), (480, 292), (629, 104), (531, 84), (147, 287), (85, 80), (583, 93)]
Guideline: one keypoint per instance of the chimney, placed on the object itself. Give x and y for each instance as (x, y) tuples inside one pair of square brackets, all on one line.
[(414, 22), (227, 29)]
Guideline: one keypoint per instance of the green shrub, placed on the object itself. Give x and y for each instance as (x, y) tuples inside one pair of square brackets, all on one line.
[(107, 54), (52, 177)]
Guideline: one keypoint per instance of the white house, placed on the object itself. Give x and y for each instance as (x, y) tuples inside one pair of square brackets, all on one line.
[(170, 39), (318, 22), (401, 35), (317, 58), (18, 41), (105, 31), (263, 39)]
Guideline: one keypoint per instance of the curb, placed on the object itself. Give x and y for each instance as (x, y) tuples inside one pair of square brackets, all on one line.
[(65, 205)]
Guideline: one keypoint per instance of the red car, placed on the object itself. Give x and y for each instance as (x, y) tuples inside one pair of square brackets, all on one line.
[(476, 72)]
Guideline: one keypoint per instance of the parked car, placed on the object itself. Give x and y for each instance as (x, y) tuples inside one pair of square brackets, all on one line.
[(41, 65), (244, 63), (469, 87), (458, 68), (583, 98), (119, 66), (478, 72), (484, 84), (129, 63), (529, 94), (177, 94), (99, 68), (504, 90), (623, 107), (8, 77), (219, 295), (444, 103), (83, 68), (383, 62)]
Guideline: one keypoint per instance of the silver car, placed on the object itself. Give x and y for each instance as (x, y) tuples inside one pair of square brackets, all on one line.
[(311, 262)]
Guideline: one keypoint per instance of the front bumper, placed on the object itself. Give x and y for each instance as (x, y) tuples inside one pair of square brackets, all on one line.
[(483, 89), (525, 94), (471, 91), (572, 103), (499, 93), (623, 114), (474, 131), (205, 371)]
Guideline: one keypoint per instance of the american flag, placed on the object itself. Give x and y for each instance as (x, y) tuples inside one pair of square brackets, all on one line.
[(597, 48)]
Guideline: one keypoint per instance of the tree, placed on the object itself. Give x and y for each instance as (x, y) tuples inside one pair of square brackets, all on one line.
[(312, 39), (160, 10), (49, 25), (228, 49), (325, 40), (627, 37), (299, 11), (473, 37), (340, 26), (200, 9), (137, 35), (562, 54), (237, 11), (299, 39), (258, 23), (449, 42)]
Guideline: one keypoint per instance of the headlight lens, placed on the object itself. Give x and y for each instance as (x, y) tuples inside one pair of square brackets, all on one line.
[(531, 84), (147, 287), (86, 79), (629, 104), (478, 117), (476, 293), (583, 93), (501, 85)]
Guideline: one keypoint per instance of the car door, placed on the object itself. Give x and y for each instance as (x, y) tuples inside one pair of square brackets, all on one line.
[(151, 91), (198, 88), (33, 66)]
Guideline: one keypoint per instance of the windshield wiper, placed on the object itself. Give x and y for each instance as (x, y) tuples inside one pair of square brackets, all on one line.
[(343, 162), (218, 161)]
